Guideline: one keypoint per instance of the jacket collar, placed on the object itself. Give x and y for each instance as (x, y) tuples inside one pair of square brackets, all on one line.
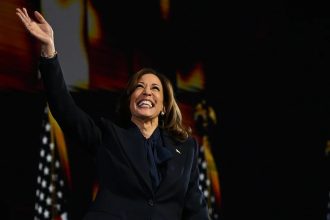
[(133, 145)]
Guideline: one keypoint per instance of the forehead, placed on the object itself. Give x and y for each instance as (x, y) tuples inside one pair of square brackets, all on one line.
[(149, 78)]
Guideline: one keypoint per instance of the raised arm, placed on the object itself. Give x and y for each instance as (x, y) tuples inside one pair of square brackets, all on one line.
[(74, 122)]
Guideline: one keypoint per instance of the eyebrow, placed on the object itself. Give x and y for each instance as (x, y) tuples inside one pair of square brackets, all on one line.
[(153, 84)]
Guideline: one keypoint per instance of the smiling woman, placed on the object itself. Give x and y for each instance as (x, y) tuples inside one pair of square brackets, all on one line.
[(147, 162)]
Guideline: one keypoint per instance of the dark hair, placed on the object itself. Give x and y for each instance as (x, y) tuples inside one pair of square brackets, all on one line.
[(171, 121)]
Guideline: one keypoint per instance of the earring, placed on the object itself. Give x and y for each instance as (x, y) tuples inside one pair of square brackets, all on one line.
[(162, 113)]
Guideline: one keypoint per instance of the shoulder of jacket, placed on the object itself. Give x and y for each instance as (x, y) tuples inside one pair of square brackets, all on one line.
[(190, 144), (107, 123)]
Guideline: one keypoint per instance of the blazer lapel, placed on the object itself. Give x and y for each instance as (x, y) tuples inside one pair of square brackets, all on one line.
[(133, 145), (175, 165)]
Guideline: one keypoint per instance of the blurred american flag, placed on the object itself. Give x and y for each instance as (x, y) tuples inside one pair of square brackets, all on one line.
[(205, 185), (51, 190), (209, 182)]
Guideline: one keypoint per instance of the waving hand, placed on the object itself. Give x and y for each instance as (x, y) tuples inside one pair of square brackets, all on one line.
[(40, 29)]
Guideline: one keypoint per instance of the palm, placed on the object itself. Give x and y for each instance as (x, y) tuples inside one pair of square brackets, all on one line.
[(41, 31)]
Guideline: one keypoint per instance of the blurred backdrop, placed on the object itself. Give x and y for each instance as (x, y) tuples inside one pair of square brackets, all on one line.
[(250, 78)]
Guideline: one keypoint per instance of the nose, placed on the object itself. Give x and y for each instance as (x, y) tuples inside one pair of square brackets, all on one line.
[(147, 91)]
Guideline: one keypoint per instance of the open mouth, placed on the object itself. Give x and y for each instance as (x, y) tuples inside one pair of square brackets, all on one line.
[(145, 104)]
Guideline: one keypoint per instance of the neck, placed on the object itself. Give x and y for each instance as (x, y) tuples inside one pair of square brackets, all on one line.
[(147, 127)]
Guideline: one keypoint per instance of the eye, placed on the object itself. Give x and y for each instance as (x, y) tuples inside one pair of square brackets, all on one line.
[(155, 88), (139, 85)]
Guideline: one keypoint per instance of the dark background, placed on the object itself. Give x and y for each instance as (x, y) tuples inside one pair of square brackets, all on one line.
[(266, 67)]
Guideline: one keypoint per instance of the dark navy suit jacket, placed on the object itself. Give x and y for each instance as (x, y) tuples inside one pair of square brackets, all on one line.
[(125, 190)]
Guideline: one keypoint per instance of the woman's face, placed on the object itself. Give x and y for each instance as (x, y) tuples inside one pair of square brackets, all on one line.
[(146, 101)]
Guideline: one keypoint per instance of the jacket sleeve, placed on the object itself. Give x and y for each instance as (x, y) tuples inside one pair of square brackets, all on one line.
[(195, 207), (74, 122)]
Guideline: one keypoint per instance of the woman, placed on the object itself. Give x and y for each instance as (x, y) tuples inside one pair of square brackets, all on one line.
[(147, 167)]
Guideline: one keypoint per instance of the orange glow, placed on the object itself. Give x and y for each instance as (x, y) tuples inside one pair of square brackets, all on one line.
[(94, 27), (95, 190), (66, 2), (194, 80), (165, 9)]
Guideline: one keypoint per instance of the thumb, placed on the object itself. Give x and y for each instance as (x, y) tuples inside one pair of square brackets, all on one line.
[(39, 17)]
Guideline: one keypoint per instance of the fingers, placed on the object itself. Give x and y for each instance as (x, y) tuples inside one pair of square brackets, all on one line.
[(23, 16), (20, 13), (25, 13), (40, 17)]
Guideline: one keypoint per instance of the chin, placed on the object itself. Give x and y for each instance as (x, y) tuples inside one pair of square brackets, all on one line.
[(146, 116)]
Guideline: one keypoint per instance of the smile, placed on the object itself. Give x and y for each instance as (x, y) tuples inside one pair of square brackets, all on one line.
[(145, 103)]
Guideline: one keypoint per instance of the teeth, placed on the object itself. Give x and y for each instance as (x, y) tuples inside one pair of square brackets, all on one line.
[(145, 103)]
